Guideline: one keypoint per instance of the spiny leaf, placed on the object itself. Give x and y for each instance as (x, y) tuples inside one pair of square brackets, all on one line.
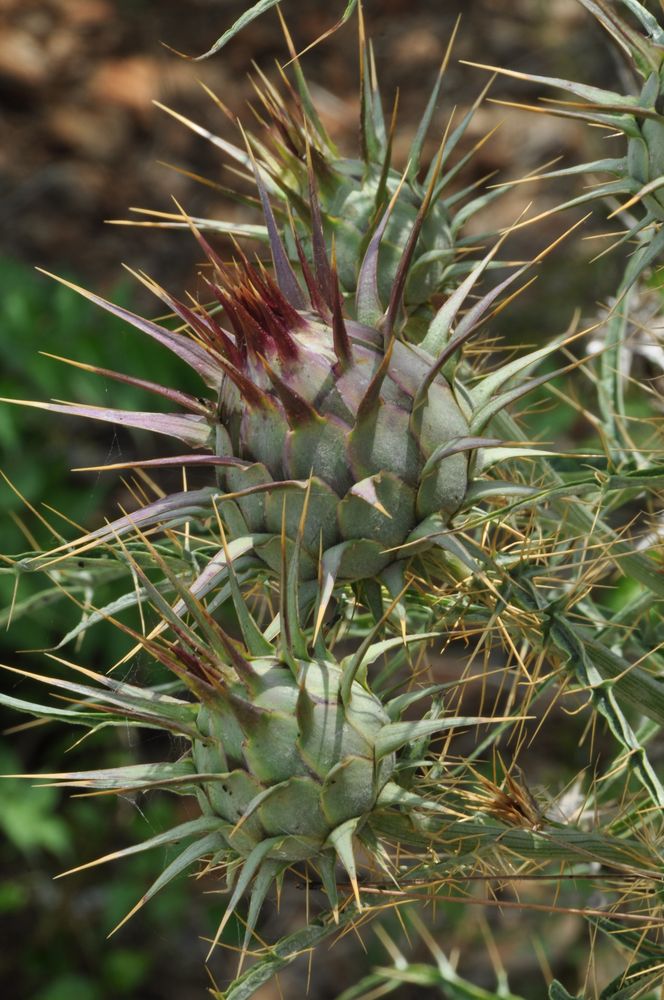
[(593, 94), (425, 121), (162, 513), (637, 564), (76, 717), (193, 430), (604, 698), (263, 881), (549, 844), (205, 824), (217, 569), (286, 278), (368, 306), (242, 21), (358, 662), (482, 393), (341, 839), (134, 703), (395, 734), (257, 644), (195, 852), (635, 979), (249, 869), (173, 395)]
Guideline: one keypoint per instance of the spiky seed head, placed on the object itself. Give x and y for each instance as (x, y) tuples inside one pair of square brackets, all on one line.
[(292, 761), (374, 430)]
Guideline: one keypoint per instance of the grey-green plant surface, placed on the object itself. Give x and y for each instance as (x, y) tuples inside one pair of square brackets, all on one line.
[(383, 586)]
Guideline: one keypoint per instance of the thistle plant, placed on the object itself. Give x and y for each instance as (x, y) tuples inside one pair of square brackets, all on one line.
[(374, 500)]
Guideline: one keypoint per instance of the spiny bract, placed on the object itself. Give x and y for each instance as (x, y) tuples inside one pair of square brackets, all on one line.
[(289, 759), (310, 394)]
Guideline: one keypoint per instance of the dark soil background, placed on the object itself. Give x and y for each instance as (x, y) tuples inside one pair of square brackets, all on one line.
[(81, 142)]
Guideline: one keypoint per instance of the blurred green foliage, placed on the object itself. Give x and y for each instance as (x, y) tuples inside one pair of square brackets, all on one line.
[(40, 315), (26, 816), (54, 933), (38, 449)]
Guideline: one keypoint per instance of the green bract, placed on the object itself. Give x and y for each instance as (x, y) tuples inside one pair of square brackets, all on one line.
[(292, 762), (328, 401)]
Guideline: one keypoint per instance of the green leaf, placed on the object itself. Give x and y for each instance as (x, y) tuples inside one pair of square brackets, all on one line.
[(395, 734), (251, 14), (558, 992), (242, 21), (632, 982)]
